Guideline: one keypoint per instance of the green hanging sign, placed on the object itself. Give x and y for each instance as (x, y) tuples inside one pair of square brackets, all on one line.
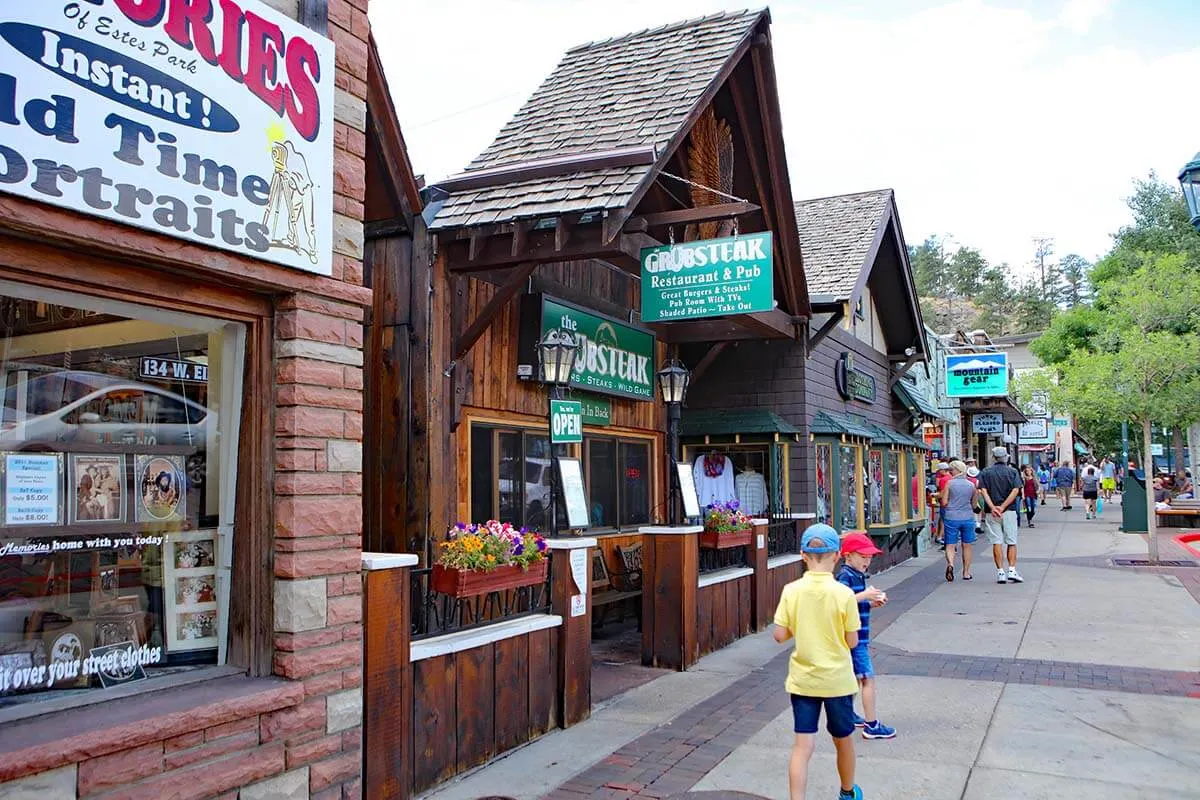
[(566, 422), (596, 410), (709, 278)]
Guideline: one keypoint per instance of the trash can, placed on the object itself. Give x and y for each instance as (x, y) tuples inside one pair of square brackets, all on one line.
[(1133, 503)]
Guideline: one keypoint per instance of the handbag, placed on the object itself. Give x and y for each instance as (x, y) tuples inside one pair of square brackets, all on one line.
[(1099, 505)]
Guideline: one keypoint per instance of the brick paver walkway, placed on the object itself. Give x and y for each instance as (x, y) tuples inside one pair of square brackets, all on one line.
[(667, 762)]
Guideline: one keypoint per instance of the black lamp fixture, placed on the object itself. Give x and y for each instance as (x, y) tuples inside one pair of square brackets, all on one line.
[(1189, 181), (556, 357), (673, 380)]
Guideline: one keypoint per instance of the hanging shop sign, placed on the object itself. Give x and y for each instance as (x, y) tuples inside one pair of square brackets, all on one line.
[(1035, 431), (211, 122), (613, 358), (977, 375), (710, 278), (853, 383), (987, 423), (566, 422), (596, 410)]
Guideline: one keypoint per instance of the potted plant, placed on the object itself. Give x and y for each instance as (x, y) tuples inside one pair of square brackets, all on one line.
[(726, 525), (488, 557)]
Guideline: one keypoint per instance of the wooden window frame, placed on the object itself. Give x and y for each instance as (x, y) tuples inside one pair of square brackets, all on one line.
[(618, 439)]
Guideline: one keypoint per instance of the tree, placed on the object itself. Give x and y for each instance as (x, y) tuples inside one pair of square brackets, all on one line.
[(996, 297), (1161, 224), (965, 272), (929, 267), (1076, 286)]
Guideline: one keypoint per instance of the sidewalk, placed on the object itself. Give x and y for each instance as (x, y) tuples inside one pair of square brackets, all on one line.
[(1082, 682)]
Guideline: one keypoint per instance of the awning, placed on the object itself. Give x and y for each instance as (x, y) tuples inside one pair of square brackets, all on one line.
[(993, 405), (917, 403), (1035, 448), (830, 423), (1081, 449), (734, 422)]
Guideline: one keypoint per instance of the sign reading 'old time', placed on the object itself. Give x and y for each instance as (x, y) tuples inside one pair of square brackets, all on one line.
[(211, 122), (710, 278)]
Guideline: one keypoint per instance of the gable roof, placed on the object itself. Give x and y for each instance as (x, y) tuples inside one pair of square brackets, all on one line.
[(632, 91), (836, 235)]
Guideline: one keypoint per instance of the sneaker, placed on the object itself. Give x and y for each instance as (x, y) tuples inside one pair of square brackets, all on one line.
[(1031, 525), (1001, 577), (859, 722), (1014, 576), (853, 794), (879, 731)]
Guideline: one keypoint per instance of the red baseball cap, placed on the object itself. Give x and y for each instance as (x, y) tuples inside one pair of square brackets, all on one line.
[(859, 542)]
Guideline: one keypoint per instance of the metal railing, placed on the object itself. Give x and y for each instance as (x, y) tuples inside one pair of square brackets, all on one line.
[(783, 537), (714, 560), (435, 614)]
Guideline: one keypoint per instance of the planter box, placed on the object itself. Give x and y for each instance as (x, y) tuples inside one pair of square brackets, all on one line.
[(468, 582), (712, 540)]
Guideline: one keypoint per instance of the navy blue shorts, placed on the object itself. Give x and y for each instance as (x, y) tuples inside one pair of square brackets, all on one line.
[(860, 656), (839, 714)]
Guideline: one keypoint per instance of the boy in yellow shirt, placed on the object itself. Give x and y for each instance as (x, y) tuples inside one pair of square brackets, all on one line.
[(822, 615)]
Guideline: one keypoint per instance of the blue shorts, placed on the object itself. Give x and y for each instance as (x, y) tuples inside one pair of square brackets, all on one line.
[(860, 656), (956, 529), (839, 714)]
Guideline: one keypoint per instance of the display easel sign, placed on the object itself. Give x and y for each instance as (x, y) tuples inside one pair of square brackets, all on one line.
[(571, 475), (687, 490)]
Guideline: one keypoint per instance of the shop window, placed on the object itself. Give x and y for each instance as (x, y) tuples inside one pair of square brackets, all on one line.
[(824, 482), (875, 488), (895, 499), (511, 476), (618, 481), (118, 464), (850, 485), (916, 480)]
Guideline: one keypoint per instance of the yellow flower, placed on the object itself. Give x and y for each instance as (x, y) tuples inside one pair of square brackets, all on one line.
[(491, 559)]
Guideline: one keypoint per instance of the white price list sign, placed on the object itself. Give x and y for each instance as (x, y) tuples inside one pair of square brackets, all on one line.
[(31, 489)]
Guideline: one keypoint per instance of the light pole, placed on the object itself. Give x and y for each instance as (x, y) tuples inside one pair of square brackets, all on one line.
[(673, 381), (556, 359), (1189, 181)]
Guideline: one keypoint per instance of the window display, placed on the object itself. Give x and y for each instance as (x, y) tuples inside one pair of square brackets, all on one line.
[(118, 468), (850, 487), (875, 488), (916, 480), (824, 482), (894, 499)]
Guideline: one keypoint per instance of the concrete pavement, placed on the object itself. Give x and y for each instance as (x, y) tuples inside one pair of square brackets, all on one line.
[(1081, 682)]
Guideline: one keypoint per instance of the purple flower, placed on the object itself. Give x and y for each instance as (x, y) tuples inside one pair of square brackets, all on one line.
[(541, 545), (518, 549)]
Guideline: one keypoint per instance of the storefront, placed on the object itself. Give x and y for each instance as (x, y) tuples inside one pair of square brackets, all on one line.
[(182, 372)]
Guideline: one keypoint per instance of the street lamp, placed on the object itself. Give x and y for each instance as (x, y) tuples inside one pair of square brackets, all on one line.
[(1189, 180), (673, 380), (556, 359)]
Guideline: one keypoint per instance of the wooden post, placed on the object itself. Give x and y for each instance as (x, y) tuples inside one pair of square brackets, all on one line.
[(569, 600), (670, 581), (760, 601), (387, 675)]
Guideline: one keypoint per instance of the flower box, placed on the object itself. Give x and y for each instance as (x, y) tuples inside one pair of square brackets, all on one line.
[(467, 582), (722, 540)]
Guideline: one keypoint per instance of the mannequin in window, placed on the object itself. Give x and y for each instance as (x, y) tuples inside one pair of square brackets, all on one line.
[(713, 473), (751, 489)]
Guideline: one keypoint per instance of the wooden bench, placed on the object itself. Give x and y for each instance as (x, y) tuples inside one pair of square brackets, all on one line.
[(1181, 514), (616, 588)]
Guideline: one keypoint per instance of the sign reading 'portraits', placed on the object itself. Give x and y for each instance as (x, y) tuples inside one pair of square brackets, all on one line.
[(709, 278), (977, 375), (207, 121)]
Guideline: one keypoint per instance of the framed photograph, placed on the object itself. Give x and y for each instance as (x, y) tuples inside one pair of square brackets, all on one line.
[(66, 647), (97, 488), (197, 629), (190, 596), (33, 488), (199, 589), (160, 487), (193, 554), (117, 629), (115, 674)]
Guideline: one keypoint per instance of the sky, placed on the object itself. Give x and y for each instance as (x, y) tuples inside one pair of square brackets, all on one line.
[(995, 121)]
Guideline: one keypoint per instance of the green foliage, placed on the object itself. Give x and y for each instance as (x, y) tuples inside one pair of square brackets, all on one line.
[(1076, 285), (1077, 329)]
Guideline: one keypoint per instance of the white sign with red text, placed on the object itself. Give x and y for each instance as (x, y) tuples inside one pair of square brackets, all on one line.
[(207, 120)]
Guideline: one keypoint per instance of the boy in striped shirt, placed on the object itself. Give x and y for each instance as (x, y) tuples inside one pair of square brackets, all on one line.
[(857, 549)]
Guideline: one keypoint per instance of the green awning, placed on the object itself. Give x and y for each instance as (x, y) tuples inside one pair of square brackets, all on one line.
[(734, 422), (889, 436), (830, 423), (1081, 449), (917, 403)]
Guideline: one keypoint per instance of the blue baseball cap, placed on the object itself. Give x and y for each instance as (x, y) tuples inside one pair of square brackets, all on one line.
[(833, 542)]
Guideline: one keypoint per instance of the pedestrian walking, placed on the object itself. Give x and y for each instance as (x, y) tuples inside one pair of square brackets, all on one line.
[(822, 615), (958, 510), (1031, 494), (973, 477), (1089, 480), (857, 551), (1001, 487), (1064, 482), (940, 477), (1043, 476), (1108, 478)]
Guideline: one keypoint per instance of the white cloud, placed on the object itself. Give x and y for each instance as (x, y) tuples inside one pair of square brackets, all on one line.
[(992, 123)]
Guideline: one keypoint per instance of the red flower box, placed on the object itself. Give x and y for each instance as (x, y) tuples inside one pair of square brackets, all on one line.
[(722, 540), (467, 582)]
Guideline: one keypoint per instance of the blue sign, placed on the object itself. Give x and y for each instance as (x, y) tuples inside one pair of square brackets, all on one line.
[(31, 489), (977, 375)]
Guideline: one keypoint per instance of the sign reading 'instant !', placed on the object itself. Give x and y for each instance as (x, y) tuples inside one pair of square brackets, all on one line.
[(710, 278), (566, 422), (977, 375), (205, 121)]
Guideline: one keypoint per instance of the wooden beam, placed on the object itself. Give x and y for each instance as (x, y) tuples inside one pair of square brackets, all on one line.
[(384, 228), (562, 231), (476, 236), (904, 368), (775, 324), (520, 231), (709, 357), (464, 342), (480, 253), (687, 215), (825, 330)]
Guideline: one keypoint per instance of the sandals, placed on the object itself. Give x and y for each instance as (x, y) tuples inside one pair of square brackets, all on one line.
[(968, 577), (949, 573)]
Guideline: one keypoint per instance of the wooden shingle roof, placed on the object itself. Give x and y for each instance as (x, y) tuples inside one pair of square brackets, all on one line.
[(631, 91), (836, 234)]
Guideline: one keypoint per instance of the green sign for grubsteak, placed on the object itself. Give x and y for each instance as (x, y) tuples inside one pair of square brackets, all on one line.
[(613, 358), (710, 278)]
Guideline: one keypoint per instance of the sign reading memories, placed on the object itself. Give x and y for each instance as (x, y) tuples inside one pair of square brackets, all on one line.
[(208, 121), (977, 375), (709, 278)]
